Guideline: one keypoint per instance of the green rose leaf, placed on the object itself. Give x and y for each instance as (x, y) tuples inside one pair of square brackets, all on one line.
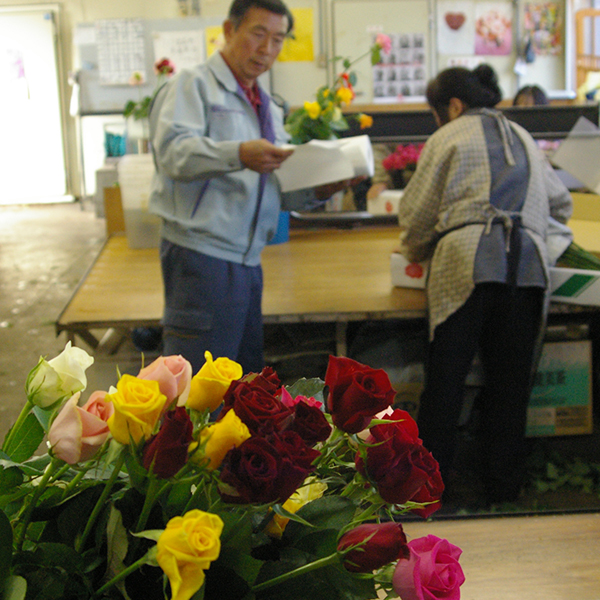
[(15, 589), (26, 440), (311, 388), (6, 541)]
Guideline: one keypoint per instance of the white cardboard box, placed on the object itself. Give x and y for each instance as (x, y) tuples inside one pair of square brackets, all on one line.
[(386, 203), (575, 286), (405, 274)]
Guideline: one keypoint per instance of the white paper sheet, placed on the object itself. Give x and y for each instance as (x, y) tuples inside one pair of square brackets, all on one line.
[(319, 162)]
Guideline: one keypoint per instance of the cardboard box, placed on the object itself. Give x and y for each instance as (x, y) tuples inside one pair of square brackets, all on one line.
[(386, 203), (405, 274), (561, 399), (575, 286)]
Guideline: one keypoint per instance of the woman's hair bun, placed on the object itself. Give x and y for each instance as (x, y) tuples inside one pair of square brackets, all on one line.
[(488, 79)]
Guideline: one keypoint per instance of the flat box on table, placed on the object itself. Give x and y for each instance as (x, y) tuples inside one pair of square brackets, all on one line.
[(561, 399), (386, 203), (575, 286), (405, 274)]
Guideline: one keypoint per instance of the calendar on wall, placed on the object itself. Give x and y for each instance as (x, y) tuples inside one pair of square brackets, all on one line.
[(121, 50)]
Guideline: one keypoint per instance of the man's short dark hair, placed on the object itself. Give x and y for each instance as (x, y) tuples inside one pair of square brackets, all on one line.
[(239, 8)]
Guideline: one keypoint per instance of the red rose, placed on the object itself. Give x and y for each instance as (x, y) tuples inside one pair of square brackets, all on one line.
[(167, 451), (310, 423), (400, 467), (356, 393), (250, 473), (296, 462), (380, 544), (255, 404)]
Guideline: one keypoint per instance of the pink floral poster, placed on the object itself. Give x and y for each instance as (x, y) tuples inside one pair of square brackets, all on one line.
[(543, 23), (493, 28)]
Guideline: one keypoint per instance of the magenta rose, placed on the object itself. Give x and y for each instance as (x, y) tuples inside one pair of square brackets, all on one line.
[(431, 573), (356, 393), (254, 402), (310, 423), (174, 376), (400, 466), (378, 545), (167, 452), (78, 432)]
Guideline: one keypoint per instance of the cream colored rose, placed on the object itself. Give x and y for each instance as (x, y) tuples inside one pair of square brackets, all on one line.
[(59, 378), (212, 381), (186, 548), (138, 405)]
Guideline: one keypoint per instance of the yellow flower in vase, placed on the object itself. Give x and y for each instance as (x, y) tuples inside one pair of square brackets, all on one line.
[(323, 119)]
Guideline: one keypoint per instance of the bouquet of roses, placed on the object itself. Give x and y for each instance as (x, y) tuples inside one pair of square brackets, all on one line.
[(402, 157), (142, 493), (322, 119)]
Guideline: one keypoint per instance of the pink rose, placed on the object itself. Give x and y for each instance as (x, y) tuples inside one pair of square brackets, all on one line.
[(432, 572), (78, 432), (288, 400), (174, 376), (384, 42)]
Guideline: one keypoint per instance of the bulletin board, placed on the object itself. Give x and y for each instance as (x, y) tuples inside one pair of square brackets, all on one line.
[(355, 23), (96, 97)]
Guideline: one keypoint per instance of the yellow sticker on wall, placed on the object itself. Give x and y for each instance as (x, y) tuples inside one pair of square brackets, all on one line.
[(215, 39), (301, 47)]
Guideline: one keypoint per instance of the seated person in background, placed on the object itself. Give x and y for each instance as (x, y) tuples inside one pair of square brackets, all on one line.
[(530, 95)]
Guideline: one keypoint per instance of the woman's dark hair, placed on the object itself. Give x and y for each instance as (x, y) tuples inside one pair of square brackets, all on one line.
[(535, 92), (239, 8), (477, 89)]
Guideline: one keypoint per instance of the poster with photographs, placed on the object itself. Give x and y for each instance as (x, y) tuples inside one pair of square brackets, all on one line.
[(401, 75)]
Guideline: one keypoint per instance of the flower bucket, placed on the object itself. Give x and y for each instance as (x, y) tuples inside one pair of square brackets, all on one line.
[(135, 180), (283, 229)]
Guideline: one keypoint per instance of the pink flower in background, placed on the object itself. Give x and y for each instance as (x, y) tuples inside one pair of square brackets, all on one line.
[(403, 156), (431, 573), (78, 432), (384, 42), (174, 376)]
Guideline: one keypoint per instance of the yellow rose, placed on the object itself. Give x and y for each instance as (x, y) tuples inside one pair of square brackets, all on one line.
[(211, 382), (313, 109), (344, 95), (311, 490), (220, 438), (185, 550), (138, 404), (365, 121)]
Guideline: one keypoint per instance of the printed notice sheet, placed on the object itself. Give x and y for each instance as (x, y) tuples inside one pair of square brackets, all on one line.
[(324, 161)]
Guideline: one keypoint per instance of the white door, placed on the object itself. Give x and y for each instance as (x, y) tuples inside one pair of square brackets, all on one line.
[(32, 163)]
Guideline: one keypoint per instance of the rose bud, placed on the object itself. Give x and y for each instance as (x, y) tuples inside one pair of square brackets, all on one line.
[(372, 546), (211, 382), (431, 572), (174, 374), (356, 393), (167, 451)]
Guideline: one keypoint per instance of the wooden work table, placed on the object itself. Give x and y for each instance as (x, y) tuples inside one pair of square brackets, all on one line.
[(333, 275), (320, 275), (550, 557)]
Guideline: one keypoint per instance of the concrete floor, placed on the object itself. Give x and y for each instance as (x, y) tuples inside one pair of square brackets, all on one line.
[(44, 252)]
